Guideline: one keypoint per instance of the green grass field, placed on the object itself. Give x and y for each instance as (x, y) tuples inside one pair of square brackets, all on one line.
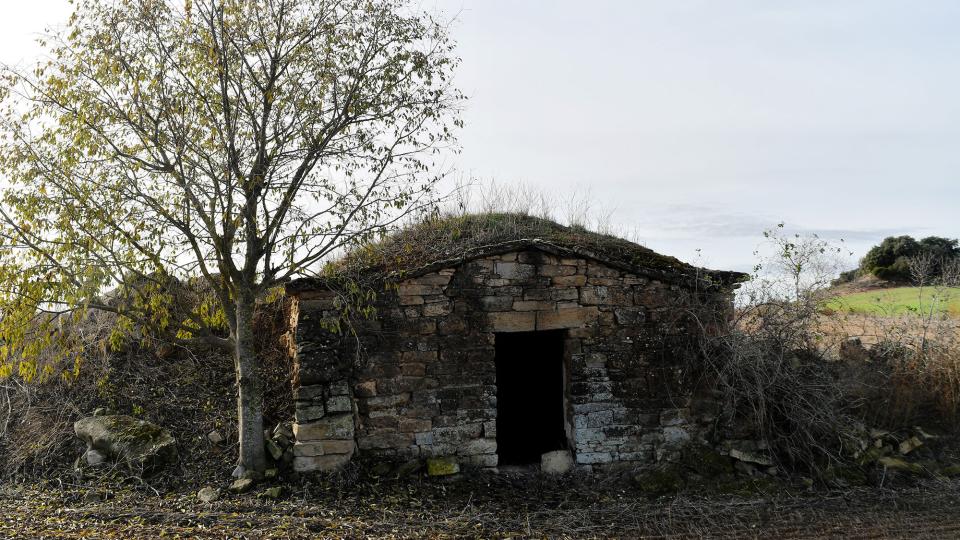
[(899, 301)]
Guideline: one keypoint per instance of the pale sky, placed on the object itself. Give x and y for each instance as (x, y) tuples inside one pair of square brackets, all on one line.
[(699, 122)]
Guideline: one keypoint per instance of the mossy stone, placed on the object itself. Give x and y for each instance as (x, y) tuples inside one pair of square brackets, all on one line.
[(442, 466)]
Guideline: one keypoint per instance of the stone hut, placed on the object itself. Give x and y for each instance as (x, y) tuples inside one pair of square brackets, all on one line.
[(495, 339)]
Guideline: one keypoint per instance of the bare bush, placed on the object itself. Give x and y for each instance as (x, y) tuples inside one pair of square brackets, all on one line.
[(798, 377)]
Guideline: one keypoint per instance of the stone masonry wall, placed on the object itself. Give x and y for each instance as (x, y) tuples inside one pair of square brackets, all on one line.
[(424, 384)]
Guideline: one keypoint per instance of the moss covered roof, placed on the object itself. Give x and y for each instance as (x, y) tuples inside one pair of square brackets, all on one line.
[(438, 243)]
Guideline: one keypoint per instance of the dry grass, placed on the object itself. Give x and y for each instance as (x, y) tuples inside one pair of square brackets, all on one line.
[(457, 236)]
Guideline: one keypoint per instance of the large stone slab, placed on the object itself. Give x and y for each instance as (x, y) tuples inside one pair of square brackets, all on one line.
[(566, 318), (126, 439), (513, 321)]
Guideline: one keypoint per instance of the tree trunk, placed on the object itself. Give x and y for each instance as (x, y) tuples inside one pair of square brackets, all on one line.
[(250, 391)]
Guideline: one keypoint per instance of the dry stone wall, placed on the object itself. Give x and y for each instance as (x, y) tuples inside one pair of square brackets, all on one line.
[(423, 381)]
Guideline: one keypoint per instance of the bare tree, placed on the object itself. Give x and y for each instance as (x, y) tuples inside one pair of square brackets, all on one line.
[(243, 142)]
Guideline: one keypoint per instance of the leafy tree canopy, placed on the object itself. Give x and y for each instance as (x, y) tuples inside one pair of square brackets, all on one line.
[(890, 259), (237, 142)]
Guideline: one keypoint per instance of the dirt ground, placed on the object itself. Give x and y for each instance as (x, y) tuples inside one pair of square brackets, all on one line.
[(480, 507)]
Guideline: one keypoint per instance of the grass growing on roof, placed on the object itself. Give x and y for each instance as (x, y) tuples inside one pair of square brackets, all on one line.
[(450, 238)]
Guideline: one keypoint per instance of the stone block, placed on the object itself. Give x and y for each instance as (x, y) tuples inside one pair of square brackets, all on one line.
[(599, 419), (569, 281), (451, 325), (339, 447), (593, 295), (439, 309), (411, 301), (310, 392), (413, 289), (458, 433), (365, 389), (565, 294), (320, 463), (557, 462), (308, 413), (340, 388), (398, 385), (339, 404), (629, 316), (557, 270), (413, 369), (303, 449), (386, 439), (426, 327), (566, 318), (438, 279), (591, 458), (587, 435), (478, 446), (422, 357), (382, 422), (496, 303), (599, 270), (514, 270), (513, 321), (533, 305), (412, 425), (331, 427), (386, 402)]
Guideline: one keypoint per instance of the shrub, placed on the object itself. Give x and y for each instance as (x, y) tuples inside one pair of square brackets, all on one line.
[(890, 259), (789, 375)]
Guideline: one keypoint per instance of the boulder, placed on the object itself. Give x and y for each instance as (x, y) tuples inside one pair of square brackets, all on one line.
[(750, 457), (242, 485), (137, 443), (272, 493), (94, 457), (557, 462), (208, 494)]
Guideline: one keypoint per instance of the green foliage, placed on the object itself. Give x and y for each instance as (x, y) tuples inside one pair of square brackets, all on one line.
[(890, 259), (232, 142)]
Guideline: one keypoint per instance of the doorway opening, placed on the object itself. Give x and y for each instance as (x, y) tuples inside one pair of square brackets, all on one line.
[(531, 416)]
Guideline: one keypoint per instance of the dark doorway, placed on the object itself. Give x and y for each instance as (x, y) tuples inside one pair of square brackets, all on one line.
[(530, 396)]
